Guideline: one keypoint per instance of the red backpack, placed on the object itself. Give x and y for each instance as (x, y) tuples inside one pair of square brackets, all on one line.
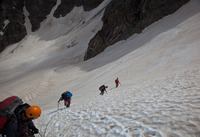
[(7, 108)]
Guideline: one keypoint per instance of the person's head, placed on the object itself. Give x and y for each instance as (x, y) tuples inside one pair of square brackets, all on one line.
[(106, 86), (33, 112)]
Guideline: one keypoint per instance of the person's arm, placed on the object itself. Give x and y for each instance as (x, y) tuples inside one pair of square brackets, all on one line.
[(32, 127), (61, 99), (11, 129)]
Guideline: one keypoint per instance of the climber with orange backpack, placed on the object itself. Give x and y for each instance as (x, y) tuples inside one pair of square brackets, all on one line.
[(16, 118)]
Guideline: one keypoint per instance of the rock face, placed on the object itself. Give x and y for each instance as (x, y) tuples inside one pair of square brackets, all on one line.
[(12, 27), (67, 5), (123, 18), (38, 11), (12, 17)]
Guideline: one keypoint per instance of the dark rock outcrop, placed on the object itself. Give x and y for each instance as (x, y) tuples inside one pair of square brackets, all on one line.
[(123, 18), (12, 17), (11, 11), (67, 5), (38, 11), (12, 21)]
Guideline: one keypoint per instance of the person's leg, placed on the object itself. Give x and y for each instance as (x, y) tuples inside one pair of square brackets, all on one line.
[(65, 103), (68, 102)]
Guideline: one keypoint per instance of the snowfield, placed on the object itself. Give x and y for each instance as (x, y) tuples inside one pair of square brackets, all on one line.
[(166, 106), (159, 71)]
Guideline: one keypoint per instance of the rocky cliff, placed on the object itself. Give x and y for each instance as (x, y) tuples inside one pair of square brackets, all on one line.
[(122, 18), (12, 27), (12, 18)]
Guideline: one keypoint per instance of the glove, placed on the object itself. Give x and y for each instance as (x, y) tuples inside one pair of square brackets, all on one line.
[(35, 131)]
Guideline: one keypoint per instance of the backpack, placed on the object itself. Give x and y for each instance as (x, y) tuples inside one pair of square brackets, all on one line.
[(66, 94), (102, 87), (7, 108)]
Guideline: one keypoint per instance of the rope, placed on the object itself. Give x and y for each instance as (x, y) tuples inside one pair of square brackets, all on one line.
[(48, 124)]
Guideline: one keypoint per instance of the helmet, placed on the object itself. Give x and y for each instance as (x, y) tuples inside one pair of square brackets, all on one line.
[(33, 112), (106, 86)]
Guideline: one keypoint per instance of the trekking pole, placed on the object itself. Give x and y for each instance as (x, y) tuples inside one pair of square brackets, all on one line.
[(48, 124), (58, 105)]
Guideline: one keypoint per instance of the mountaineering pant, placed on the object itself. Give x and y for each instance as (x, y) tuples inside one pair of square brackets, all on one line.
[(67, 102), (102, 92), (117, 85)]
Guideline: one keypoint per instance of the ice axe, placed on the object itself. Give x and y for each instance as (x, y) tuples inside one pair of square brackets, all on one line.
[(58, 105)]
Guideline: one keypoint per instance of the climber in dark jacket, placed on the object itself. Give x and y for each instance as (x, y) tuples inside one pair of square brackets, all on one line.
[(102, 88), (20, 124), (66, 96)]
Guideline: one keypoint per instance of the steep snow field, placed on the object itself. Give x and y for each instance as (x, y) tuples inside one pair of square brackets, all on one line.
[(159, 71), (166, 106)]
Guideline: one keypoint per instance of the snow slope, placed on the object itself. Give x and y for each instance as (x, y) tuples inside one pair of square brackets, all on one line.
[(158, 69)]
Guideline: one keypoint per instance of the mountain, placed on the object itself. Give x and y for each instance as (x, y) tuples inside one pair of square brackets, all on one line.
[(158, 69), (12, 16), (121, 19)]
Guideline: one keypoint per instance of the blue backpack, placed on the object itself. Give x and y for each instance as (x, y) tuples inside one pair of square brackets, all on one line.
[(66, 94), (69, 95)]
